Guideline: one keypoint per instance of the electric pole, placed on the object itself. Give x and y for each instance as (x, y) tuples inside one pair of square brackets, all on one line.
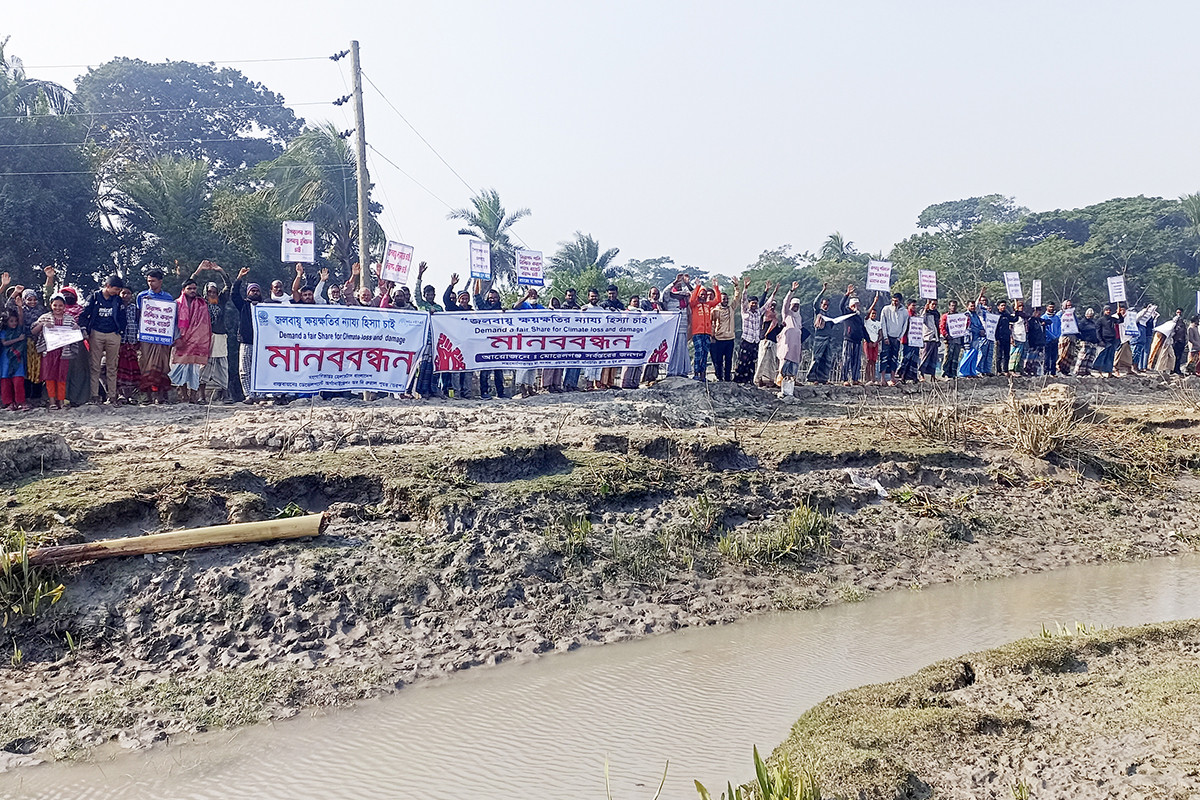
[(364, 181)]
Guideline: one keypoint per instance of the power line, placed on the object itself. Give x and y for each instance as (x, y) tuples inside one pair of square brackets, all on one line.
[(140, 144), (230, 61), (400, 169), (140, 171), (472, 189), (166, 110)]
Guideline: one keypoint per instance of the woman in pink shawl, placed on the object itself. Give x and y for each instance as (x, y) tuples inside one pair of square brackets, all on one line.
[(791, 340), (192, 345)]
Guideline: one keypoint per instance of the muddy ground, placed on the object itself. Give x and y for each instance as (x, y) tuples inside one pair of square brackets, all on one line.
[(465, 533)]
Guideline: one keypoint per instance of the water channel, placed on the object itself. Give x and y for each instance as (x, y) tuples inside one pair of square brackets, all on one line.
[(700, 698)]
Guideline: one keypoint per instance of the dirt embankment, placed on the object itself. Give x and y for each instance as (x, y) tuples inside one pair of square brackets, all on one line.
[(466, 533), (1086, 714)]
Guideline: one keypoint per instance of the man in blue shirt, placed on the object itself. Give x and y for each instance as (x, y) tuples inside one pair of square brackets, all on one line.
[(1053, 332), (104, 317)]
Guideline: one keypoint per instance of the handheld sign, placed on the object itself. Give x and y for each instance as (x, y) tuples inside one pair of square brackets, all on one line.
[(529, 268), (1012, 283), (397, 262), (157, 323), (956, 325), (1070, 327), (1198, 301), (916, 331), (990, 323), (927, 281), (59, 336), (879, 276), (481, 260), (298, 243), (1116, 289), (1036, 291)]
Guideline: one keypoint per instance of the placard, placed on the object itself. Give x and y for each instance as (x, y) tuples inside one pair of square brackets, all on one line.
[(298, 243), (58, 336), (301, 349), (478, 340), (397, 261), (957, 325), (1130, 325), (1116, 289), (529, 268), (156, 325), (990, 323), (481, 260), (927, 283), (879, 276), (916, 331), (1070, 327), (1198, 301), (1012, 284), (1036, 291)]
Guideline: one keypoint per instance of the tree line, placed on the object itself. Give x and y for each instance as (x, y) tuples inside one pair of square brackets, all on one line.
[(144, 165)]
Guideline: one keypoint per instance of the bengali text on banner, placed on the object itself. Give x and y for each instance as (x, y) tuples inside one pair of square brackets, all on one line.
[(532, 339), (300, 349)]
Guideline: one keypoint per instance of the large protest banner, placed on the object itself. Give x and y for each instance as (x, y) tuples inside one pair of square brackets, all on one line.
[(1116, 289), (156, 323), (300, 349), (879, 276), (299, 243), (481, 260), (529, 268), (397, 261), (927, 281), (532, 339)]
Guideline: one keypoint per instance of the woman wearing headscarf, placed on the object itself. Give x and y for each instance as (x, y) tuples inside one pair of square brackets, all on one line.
[(791, 341), (768, 363), (79, 370), (192, 345), (216, 371), (33, 309)]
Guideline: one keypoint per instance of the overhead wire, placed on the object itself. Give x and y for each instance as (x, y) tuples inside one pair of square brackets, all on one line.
[(165, 110), (229, 61)]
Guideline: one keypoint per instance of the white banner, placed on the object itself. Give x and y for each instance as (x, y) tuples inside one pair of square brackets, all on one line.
[(1116, 289), (301, 349), (299, 243), (481, 260), (1036, 291), (531, 339), (879, 276), (956, 325), (529, 268), (927, 281), (1069, 326), (59, 336), (916, 331), (397, 262), (990, 323), (1012, 284), (1198, 301), (156, 323)]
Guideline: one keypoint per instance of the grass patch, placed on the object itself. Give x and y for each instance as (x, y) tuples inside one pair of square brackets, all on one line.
[(804, 531)]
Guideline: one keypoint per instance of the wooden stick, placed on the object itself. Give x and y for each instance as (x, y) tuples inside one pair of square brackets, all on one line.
[(241, 533)]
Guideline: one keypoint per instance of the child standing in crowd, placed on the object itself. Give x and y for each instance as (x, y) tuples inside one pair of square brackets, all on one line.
[(32, 309), (129, 377), (13, 357), (56, 358)]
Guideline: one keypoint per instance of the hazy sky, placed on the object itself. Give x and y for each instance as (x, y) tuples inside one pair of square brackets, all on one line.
[(706, 131)]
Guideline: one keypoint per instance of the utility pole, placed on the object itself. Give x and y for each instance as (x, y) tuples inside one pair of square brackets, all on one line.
[(364, 253)]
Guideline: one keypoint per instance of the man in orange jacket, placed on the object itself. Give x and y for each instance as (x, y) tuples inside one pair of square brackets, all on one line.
[(702, 302)]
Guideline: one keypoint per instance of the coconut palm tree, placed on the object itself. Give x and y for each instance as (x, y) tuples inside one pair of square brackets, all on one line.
[(20, 94), (836, 248), (161, 211), (487, 219), (582, 253), (315, 180)]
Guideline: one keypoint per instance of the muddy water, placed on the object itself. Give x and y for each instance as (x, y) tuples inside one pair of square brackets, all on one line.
[(699, 698)]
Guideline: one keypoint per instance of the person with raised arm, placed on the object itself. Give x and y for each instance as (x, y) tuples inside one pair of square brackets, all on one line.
[(752, 308), (791, 342), (702, 302)]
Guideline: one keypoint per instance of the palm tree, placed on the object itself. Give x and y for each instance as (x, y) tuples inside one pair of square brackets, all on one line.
[(836, 248), (487, 220), (20, 94), (315, 179), (1191, 209)]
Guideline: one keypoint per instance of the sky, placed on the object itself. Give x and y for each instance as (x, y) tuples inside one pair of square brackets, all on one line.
[(704, 131)]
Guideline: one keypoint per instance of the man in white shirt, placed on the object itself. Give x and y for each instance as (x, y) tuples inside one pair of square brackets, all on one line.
[(895, 324)]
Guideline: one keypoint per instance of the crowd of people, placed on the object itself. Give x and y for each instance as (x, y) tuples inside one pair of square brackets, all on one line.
[(57, 351)]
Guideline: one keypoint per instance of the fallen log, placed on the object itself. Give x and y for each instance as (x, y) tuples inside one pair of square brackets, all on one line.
[(214, 536)]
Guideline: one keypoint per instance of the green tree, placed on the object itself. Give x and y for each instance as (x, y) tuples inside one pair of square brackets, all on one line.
[(145, 111), (837, 249), (488, 220), (20, 94), (962, 215)]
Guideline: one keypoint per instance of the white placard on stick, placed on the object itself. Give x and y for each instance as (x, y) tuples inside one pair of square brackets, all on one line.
[(481, 260), (397, 262), (298, 243), (1198, 301), (879, 276), (1116, 289), (1036, 291), (990, 323), (1070, 327), (927, 283), (916, 331), (58, 336), (956, 325), (1012, 284), (529, 268), (156, 325)]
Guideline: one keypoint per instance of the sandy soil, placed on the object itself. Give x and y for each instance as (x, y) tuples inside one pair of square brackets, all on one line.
[(465, 533)]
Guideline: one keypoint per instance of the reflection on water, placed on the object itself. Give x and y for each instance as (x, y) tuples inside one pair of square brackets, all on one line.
[(700, 698)]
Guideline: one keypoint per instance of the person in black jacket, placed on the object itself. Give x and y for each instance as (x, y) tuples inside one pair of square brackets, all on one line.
[(1089, 342), (1035, 342), (104, 316), (852, 341), (1106, 334), (490, 302), (245, 305), (1005, 319)]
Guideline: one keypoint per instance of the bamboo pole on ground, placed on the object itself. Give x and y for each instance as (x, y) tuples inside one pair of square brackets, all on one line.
[(214, 536)]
